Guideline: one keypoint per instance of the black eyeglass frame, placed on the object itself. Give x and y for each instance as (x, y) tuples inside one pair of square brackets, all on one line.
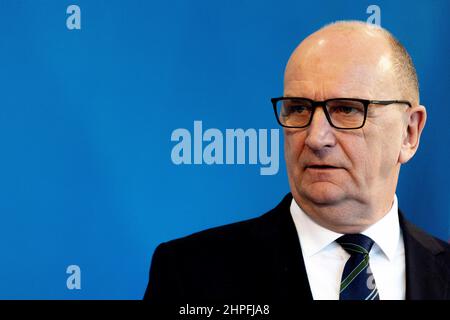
[(315, 104)]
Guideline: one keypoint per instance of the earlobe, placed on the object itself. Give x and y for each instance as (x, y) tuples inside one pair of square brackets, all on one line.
[(417, 117)]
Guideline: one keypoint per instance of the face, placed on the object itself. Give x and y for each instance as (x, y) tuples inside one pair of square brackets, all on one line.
[(345, 179)]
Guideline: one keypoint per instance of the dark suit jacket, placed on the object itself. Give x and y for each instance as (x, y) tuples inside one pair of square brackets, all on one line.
[(260, 260)]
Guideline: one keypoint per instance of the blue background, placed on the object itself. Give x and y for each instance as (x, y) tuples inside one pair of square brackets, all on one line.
[(86, 118)]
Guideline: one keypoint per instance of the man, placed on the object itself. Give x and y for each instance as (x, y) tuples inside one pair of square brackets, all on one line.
[(351, 117)]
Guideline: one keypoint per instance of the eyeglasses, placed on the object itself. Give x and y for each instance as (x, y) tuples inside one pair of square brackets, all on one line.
[(341, 113)]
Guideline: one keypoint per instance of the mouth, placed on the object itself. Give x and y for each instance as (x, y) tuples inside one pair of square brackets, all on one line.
[(321, 167)]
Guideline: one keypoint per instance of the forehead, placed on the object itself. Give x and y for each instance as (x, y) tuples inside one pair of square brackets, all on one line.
[(324, 67), (327, 89)]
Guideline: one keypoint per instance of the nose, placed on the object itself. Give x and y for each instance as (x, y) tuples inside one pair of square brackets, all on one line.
[(320, 133)]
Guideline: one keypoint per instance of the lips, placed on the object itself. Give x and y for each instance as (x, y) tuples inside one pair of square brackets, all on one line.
[(320, 166)]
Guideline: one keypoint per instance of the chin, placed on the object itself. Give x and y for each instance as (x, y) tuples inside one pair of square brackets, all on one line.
[(323, 193)]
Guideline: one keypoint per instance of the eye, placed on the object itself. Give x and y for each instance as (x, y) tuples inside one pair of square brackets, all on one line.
[(298, 109), (295, 108), (344, 108)]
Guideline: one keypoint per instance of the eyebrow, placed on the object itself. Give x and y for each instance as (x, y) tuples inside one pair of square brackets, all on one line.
[(334, 97)]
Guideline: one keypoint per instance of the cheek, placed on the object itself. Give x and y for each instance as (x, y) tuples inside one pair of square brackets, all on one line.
[(362, 153), (376, 153), (391, 141), (391, 145), (359, 154)]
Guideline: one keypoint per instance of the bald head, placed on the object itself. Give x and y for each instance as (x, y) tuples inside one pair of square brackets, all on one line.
[(335, 47)]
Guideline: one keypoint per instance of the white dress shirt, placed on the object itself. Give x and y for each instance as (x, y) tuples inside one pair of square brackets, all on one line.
[(325, 259)]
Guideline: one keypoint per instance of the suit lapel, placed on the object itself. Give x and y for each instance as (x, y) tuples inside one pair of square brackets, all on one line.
[(426, 274)]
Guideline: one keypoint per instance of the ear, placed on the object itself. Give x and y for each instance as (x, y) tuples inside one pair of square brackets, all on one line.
[(415, 122)]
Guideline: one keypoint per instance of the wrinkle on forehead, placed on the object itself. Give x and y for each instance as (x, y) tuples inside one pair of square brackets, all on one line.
[(327, 89)]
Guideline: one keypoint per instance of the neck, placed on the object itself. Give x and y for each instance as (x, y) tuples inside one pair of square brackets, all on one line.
[(350, 216)]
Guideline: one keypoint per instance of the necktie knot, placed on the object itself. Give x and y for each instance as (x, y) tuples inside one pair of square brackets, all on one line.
[(356, 243)]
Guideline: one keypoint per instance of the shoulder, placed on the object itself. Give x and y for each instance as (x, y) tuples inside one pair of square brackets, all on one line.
[(424, 241), (217, 237), (232, 260), (233, 238)]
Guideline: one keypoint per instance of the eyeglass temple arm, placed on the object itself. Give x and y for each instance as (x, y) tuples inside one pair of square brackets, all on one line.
[(387, 102)]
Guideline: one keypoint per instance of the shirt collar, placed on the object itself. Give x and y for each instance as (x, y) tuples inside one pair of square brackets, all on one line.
[(315, 238), (386, 231)]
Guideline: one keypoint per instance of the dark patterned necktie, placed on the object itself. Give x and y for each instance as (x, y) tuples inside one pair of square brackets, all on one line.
[(357, 279)]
